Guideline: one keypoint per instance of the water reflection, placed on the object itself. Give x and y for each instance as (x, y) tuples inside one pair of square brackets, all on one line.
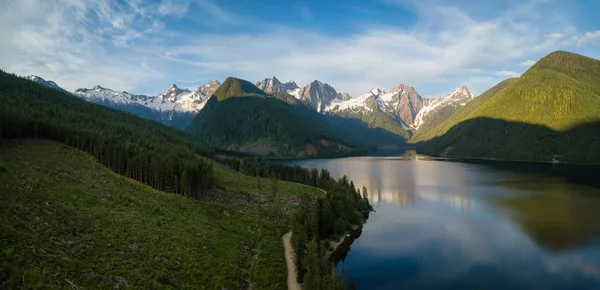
[(450, 225)]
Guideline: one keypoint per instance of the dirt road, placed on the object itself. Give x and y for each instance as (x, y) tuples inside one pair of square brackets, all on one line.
[(289, 259)]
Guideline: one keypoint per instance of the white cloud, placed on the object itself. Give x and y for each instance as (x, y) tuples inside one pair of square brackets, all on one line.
[(90, 42), (556, 35), (379, 56), (172, 7), (508, 74), (592, 37), (528, 63)]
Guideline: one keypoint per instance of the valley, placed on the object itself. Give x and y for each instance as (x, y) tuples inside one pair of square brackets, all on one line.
[(305, 145), (199, 169)]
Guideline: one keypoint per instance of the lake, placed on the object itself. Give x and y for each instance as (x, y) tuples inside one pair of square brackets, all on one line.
[(453, 225)]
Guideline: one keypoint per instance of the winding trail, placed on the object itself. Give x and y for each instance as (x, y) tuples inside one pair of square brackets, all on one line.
[(289, 259)]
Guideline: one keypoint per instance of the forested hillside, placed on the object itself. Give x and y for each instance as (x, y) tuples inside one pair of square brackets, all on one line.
[(551, 112), (143, 150), (74, 214), (461, 114), (378, 120), (68, 222), (240, 116)]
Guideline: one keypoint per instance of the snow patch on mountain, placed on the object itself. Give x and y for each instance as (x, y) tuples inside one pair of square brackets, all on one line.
[(382, 98), (358, 103), (458, 97), (44, 82), (173, 99), (295, 93)]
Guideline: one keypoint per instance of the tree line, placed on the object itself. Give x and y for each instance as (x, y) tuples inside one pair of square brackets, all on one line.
[(172, 161), (142, 150), (315, 222)]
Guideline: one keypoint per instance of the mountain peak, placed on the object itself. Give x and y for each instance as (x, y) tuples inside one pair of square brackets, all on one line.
[(571, 64), (318, 94), (97, 88), (375, 91), (273, 85), (34, 78), (401, 87), (234, 87), (344, 96), (47, 83)]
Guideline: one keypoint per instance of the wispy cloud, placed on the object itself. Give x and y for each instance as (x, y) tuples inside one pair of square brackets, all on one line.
[(131, 45), (556, 35), (216, 11), (508, 74), (174, 7), (528, 63), (592, 37)]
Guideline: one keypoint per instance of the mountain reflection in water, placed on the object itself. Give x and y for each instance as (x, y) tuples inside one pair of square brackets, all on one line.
[(452, 225)]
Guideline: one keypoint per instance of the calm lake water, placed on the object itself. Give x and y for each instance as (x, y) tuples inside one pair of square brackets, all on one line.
[(453, 225)]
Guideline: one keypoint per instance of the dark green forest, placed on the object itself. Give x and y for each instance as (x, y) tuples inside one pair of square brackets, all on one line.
[(143, 150), (170, 160), (379, 120), (505, 140), (239, 114), (317, 221)]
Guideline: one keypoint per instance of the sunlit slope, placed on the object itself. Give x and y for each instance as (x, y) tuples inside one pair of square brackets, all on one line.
[(460, 115), (551, 112), (560, 91), (67, 219)]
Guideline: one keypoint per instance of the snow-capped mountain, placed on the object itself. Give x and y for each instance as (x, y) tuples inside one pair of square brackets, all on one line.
[(344, 96), (438, 110), (402, 102), (405, 102), (44, 82), (174, 99), (375, 108), (318, 95), (176, 107), (209, 88), (273, 85)]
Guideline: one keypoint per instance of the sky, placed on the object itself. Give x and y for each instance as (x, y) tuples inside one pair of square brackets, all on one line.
[(143, 46)]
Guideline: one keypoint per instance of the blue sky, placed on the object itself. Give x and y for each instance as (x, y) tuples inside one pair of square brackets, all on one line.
[(433, 45)]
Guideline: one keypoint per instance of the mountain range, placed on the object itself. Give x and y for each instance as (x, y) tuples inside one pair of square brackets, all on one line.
[(543, 115), (175, 106), (395, 111)]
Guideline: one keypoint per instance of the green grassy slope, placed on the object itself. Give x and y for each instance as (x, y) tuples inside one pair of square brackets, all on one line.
[(66, 218), (240, 114), (550, 110), (235, 181)]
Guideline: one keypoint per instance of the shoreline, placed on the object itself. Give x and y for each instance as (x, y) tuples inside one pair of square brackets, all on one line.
[(340, 247), (500, 160)]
